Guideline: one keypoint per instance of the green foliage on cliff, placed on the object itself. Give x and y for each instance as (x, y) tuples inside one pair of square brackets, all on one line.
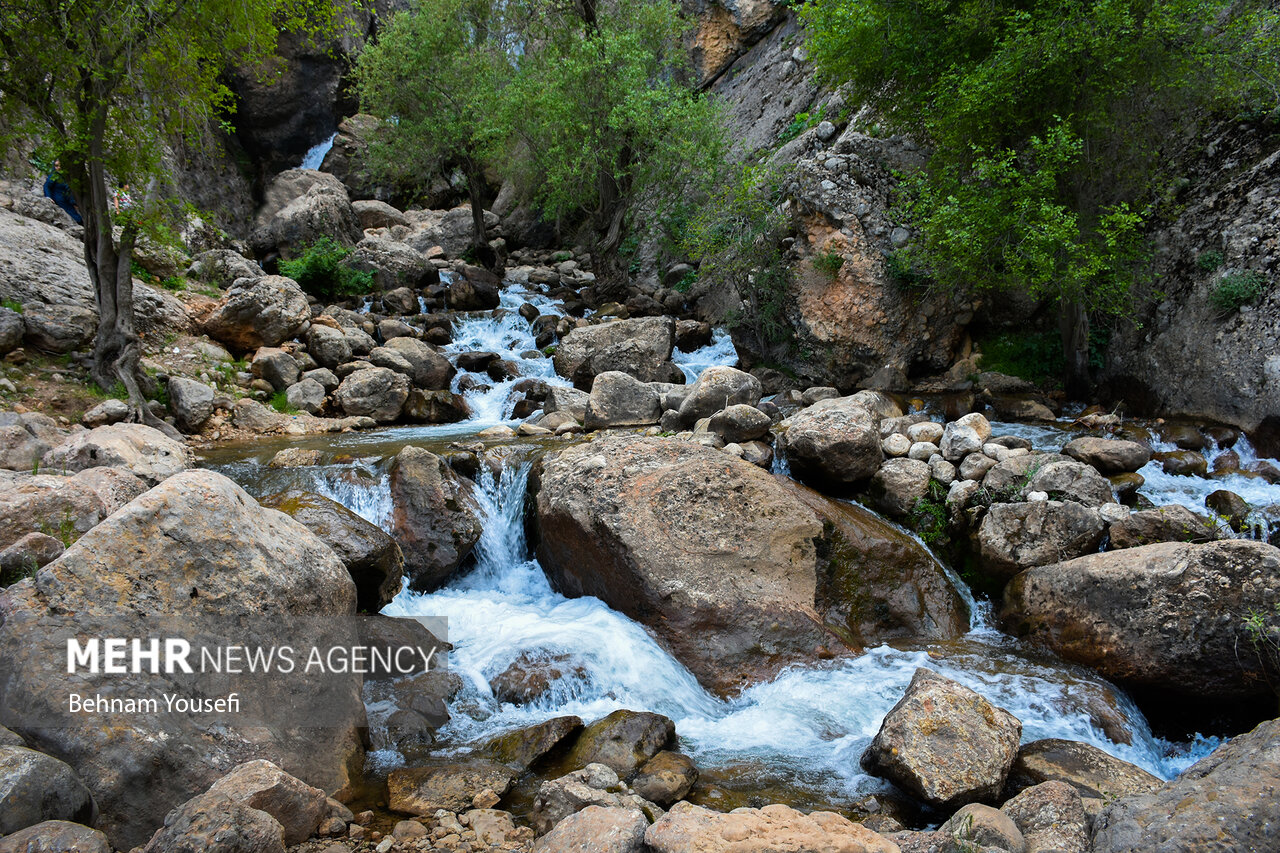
[(1050, 124), (437, 74)]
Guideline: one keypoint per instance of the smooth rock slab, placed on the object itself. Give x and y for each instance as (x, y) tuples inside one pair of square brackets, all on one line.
[(687, 828)]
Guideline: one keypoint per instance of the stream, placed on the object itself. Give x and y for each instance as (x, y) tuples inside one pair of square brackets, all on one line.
[(801, 733)]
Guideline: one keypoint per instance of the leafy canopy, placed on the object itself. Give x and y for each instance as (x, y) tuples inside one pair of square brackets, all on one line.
[(111, 83), (1051, 122), (586, 105), (436, 75)]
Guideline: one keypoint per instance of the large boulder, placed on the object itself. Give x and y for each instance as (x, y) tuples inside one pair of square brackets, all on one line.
[(11, 330), (275, 366), (57, 328), (428, 368), (435, 518), (623, 741), (26, 438), (476, 290), (393, 264), (776, 827), (619, 399), (945, 744), (1173, 523), (261, 312), (371, 556), (195, 558), (65, 507), (328, 345), (323, 211), (834, 442), (1069, 480), (1017, 536), (298, 807), (1109, 455), (1096, 776), (445, 785), (1051, 817), (376, 392), (141, 450), (639, 347), (56, 836), (1226, 801), (1165, 617), (735, 570), (571, 401), (899, 485), (221, 267), (191, 401), (35, 787), (717, 388), (215, 823), (600, 829)]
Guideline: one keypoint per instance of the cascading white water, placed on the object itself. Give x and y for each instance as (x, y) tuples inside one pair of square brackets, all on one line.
[(360, 487), (809, 725), (316, 153), (720, 351), (511, 336), (1166, 489)]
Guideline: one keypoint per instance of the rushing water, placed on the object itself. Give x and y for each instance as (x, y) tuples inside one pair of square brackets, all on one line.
[(316, 153), (809, 725), (1160, 488), (805, 729)]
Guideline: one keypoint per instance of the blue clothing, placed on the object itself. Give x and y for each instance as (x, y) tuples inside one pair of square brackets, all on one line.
[(63, 198)]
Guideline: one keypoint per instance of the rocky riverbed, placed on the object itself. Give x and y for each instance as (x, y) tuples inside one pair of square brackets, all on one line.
[(674, 604)]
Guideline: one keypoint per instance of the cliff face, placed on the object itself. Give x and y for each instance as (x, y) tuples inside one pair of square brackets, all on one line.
[(853, 323), (1189, 357)]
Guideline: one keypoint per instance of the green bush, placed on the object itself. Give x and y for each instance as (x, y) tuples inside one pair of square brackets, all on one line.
[(322, 271), (280, 402), (1236, 289), (1033, 356), (829, 264), (1210, 260)]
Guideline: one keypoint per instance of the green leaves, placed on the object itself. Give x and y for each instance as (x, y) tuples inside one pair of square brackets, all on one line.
[(1048, 121), (582, 112)]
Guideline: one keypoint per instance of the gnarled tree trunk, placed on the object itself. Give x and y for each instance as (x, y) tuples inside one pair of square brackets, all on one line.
[(117, 350), (1073, 324)]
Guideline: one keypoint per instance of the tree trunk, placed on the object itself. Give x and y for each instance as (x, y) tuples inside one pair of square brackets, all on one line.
[(1073, 324), (117, 350), (480, 248)]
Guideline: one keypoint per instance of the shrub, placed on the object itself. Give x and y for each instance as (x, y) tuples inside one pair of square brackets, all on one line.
[(280, 402), (1236, 289), (829, 264), (321, 270), (1210, 260)]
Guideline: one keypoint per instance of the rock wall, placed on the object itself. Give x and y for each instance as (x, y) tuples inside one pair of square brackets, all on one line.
[(1187, 357), (849, 324)]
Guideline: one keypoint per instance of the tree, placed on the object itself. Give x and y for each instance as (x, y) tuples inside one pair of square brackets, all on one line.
[(435, 76), (104, 84), (1051, 123), (587, 105)]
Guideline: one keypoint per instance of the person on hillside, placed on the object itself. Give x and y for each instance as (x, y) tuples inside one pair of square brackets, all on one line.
[(57, 189)]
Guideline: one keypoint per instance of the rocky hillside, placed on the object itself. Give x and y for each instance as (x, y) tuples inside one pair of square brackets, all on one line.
[(1187, 353)]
